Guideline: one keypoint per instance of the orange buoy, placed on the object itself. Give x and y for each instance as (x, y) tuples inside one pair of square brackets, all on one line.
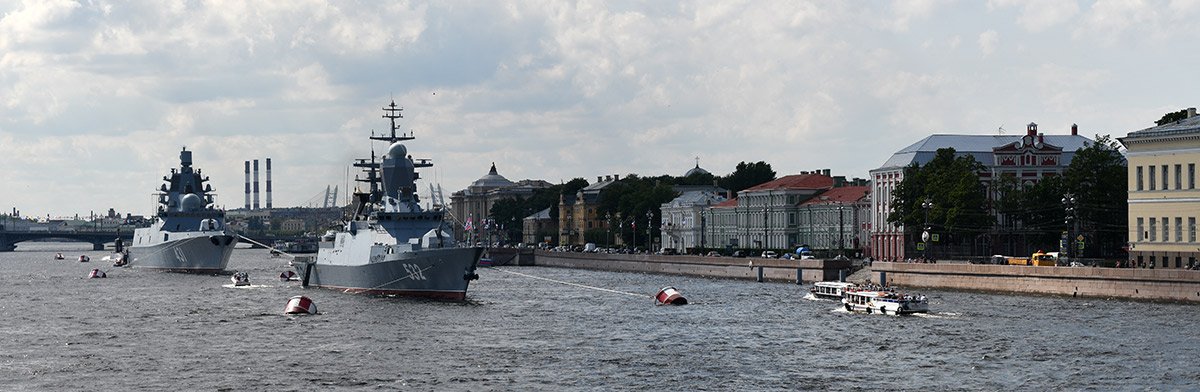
[(669, 296), (300, 305)]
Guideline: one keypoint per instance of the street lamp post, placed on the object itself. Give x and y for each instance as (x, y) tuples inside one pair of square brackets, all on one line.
[(649, 222), (1068, 201), (928, 204), (608, 229)]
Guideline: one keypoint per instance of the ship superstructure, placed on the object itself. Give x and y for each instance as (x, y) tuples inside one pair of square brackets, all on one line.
[(188, 233)]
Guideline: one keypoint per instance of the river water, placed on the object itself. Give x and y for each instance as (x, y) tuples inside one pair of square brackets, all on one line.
[(142, 330)]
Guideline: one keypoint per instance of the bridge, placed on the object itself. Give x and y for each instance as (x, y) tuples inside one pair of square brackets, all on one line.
[(99, 238)]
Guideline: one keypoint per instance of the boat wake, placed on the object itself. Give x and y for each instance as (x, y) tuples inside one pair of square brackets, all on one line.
[(247, 286), (811, 297), (939, 315)]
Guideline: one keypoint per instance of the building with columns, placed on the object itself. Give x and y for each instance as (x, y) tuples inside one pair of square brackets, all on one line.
[(1163, 200), (765, 216), (474, 204), (1028, 158), (684, 220), (836, 221)]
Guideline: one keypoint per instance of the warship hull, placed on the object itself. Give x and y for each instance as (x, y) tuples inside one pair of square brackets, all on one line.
[(432, 273), (197, 254)]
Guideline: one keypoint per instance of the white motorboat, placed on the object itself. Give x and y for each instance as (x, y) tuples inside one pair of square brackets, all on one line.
[(884, 302)]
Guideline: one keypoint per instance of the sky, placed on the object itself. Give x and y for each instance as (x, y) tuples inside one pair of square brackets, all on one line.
[(97, 98)]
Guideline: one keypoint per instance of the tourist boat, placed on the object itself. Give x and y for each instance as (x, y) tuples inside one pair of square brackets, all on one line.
[(188, 233), (391, 246), (884, 301), (830, 290)]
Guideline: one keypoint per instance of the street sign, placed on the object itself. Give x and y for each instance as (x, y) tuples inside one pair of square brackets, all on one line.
[(920, 246), (935, 238)]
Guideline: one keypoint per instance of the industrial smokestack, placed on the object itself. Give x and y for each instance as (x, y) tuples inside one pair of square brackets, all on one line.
[(268, 183), (256, 184), (247, 185)]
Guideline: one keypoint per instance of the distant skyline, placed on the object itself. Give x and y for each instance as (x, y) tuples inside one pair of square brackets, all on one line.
[(97, 97)]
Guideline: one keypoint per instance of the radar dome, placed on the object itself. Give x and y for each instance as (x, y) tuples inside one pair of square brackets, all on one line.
[(191, 202), (397, 151)]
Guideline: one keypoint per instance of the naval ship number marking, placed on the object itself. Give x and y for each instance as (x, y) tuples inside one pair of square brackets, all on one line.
[(414, 272)]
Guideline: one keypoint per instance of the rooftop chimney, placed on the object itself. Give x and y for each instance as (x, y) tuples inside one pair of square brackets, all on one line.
[(599, 178), (268, 183), (1074, 129), (247, 185), (1191, 112), (825, 172), (256, 184)]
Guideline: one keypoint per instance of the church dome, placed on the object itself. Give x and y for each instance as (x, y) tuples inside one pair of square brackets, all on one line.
[(696, 170), (492, 180)]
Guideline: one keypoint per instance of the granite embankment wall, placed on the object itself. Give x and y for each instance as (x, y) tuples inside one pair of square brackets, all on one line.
[(1150, 284), (717, 267)]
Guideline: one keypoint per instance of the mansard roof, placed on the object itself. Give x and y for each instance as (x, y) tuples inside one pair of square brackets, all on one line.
[(809, 181), (978, 146)]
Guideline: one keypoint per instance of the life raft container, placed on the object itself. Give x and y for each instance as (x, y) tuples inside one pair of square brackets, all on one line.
[(300, 305)]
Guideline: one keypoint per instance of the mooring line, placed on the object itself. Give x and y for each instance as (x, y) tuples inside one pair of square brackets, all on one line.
[(573, 284), (265, 246)]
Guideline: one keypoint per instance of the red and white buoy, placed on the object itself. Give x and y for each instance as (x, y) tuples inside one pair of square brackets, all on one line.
[(669, 296), (286, 276), (84, 258), (300, 305), (97, 273)]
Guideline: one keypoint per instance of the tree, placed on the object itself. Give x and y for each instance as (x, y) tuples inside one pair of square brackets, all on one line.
[(1172, 117), (1097, 178), (747, 175), (959, 203), (511, 213)]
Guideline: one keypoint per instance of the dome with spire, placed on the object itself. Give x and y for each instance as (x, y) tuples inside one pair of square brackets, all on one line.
[(696, 170), (492, 180)]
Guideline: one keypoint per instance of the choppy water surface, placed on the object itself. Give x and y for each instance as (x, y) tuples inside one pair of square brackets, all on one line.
[(142, 330)]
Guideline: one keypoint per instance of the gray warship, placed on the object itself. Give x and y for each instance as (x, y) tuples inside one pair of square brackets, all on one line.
[(188, 233), (390, 246)]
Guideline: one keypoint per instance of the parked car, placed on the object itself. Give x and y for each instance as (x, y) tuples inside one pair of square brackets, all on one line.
[(713, 253), (668, 251), (738, 253), (770, 254)]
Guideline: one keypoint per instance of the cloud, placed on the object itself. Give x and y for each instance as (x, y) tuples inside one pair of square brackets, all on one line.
[(1037, 16), (987, 42), (545, 89)]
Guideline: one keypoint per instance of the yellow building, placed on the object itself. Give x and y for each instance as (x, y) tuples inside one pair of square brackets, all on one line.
[(1163, 200)]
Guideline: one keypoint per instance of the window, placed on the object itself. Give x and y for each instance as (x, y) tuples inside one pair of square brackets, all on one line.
[(1141, 229), (1178, 262), (1178, 229), (1191, 176), (1178, 177), (1151, 170), (1191, 229), (1139, 178), (1153, 229), (1164, 178), (1166, 229)]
